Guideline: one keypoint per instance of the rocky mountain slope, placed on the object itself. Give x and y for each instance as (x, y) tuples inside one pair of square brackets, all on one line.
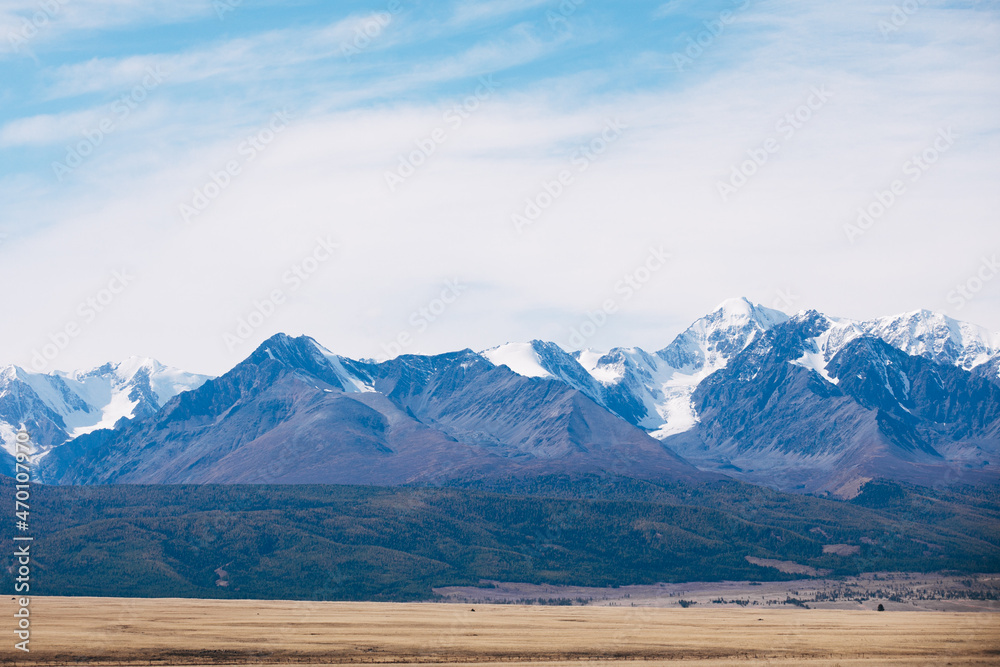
[(295, 413), (807, 403)]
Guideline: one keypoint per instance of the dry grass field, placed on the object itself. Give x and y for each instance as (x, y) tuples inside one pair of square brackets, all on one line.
[(103, 631)]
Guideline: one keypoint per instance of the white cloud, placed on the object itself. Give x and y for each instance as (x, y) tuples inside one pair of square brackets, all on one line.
[(656, 186), (47, 129)]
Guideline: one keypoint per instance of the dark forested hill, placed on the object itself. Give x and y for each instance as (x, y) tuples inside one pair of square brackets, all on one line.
[(350, 542)]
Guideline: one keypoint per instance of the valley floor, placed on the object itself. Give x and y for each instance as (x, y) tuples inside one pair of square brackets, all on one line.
[(117, 631), (895, 591)]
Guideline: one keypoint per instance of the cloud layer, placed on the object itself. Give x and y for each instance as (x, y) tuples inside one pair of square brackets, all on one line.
[(471, 145)]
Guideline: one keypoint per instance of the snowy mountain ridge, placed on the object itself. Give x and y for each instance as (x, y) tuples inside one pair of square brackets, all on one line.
[(331, 366), (61, 406), (653, 390), (807, 403)]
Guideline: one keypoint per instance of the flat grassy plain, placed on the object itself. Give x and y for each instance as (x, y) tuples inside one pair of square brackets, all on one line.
[(118, 631)]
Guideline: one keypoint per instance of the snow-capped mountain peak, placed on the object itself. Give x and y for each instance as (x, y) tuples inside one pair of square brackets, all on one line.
[(920, 333), (522, 358), (307, 354), (739, 310), (60, 406), (934, 336), (654, 390), (712, 340), (164, 382)]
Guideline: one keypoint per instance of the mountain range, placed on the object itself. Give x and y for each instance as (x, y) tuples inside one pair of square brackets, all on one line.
[(805, 403), (58, 407)]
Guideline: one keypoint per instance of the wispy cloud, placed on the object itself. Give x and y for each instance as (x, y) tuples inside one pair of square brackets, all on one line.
[(26, 25), (470, 11), (667, 8), (260, 57), (278, 56)]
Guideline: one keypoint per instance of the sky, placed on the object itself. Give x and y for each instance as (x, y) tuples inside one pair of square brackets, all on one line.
[(183, 179)]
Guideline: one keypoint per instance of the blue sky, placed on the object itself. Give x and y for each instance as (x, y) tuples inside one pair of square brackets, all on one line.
[(651, 110)]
